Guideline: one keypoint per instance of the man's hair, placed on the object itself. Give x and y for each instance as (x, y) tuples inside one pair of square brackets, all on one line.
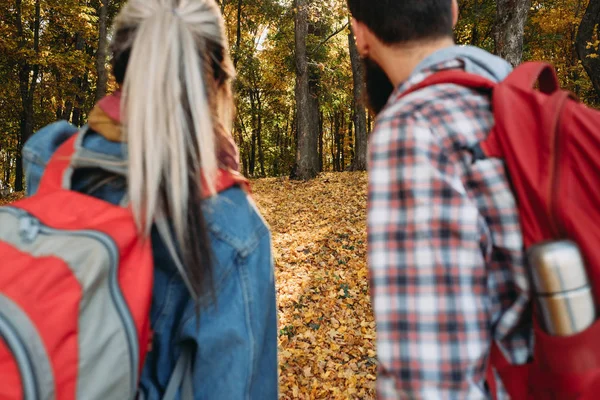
[(401, 21)]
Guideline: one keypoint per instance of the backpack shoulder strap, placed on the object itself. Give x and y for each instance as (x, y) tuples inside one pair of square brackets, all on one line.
[(57, 174), (181, 378), (454, 77), (59, 171), (524, 77), (527, 75)]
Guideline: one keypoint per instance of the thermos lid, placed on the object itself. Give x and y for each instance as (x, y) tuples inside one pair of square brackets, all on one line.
[(557, 267)]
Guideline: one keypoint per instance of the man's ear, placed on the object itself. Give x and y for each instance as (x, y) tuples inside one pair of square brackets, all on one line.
[(360, 34), (455, 13)]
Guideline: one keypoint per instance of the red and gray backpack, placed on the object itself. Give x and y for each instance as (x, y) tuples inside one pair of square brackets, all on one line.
[(551, 146), (75, 294)]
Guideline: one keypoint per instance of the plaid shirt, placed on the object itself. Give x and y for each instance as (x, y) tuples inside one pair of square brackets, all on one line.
[(445, 247)]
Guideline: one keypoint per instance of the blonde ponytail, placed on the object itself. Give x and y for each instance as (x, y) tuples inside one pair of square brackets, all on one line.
[(170, 114)]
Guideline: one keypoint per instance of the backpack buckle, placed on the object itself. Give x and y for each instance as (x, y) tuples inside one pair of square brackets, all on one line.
[(29, 228)]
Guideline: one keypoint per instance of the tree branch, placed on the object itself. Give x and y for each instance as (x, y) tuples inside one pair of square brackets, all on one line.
[(329, 38)]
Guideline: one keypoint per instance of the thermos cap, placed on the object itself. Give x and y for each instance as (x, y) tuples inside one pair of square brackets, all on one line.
[(557, 267)]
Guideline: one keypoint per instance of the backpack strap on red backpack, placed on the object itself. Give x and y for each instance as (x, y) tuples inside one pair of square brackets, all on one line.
[(453, 77), (58, 172), (526, 75)]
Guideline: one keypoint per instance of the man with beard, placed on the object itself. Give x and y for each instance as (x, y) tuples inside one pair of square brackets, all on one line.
[(445, 246)]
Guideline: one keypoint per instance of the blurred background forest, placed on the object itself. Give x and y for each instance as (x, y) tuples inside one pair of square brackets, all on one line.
[(299, 96)]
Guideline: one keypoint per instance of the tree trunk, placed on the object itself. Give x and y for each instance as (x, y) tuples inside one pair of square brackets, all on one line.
[(261, 153), (78, 112), (351, 141), (360, 114), (252, 163), (5, 167), (279, 152), (587, 30), (59, 112), (28, 77), (102, 51), (238, 39), (315, 117), (8, 163), (510, 29), (307, 156), (19, 175), (68, 110), (79, 83), (255, 133), (332, 119), (342, 142), (241, 128), (321, 142), (338, 148)]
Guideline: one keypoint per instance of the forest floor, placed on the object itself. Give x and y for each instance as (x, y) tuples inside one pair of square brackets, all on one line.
[(326, 325), (12, 197)]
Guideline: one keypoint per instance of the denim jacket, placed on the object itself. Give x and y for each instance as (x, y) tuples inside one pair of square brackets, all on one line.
[(235, 338)]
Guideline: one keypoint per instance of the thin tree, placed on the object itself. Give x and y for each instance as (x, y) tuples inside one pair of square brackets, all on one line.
[(101, 53), (29, 71), (510, 29), (360, 114), (307, 155), (238, 33), (589, 52)]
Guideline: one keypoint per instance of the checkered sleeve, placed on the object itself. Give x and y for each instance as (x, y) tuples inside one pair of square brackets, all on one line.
[(428, 273)]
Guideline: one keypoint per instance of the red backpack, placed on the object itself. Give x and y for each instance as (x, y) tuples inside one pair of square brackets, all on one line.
[(75, 293), (551, 146)]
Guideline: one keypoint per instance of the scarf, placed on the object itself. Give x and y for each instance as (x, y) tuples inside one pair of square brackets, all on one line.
[(105, 119)]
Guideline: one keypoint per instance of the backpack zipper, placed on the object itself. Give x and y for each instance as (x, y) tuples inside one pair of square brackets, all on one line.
[(31, 227), (19, 351)]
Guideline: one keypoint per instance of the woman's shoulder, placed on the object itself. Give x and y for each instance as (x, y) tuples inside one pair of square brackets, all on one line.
[(40, 147), (233, 217)]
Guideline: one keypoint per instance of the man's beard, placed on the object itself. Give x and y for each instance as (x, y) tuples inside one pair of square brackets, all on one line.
[(379, 86)]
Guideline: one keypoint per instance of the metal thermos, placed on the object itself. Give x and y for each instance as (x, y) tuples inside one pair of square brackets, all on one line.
[(562, 288)]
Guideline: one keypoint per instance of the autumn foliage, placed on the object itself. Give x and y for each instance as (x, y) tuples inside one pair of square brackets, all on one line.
[(11, 198)]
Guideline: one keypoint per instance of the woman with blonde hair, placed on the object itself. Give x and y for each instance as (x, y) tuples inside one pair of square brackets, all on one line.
[(160, 145)]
